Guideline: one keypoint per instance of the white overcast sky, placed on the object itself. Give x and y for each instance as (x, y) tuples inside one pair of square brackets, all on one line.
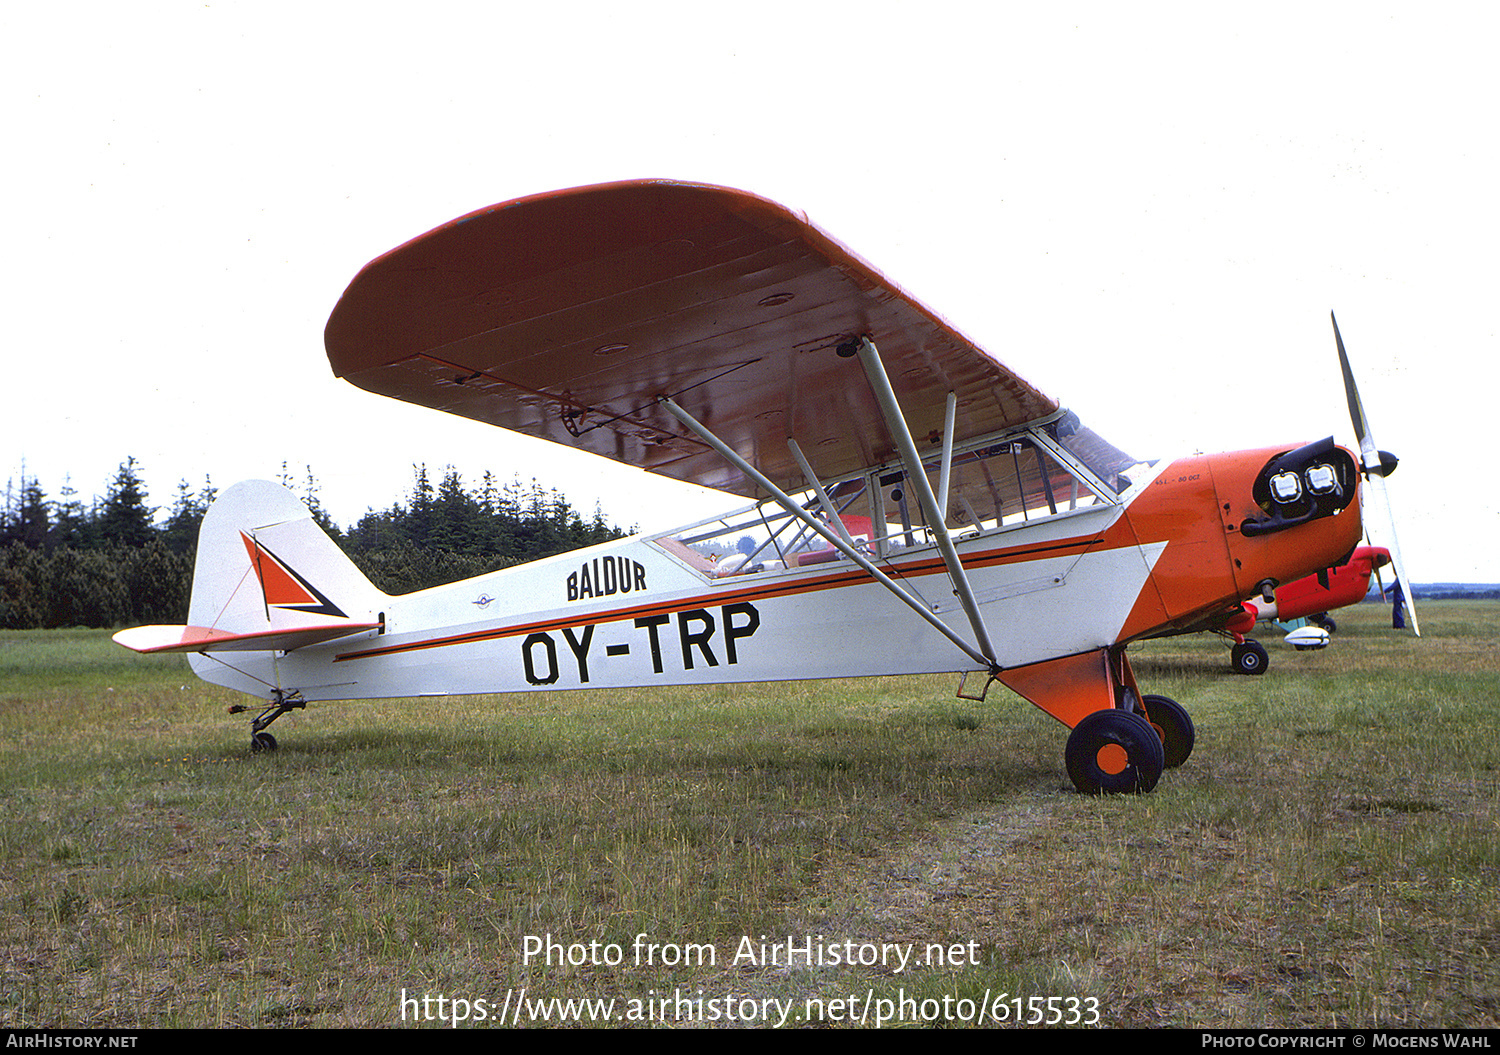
[(1148, 210)]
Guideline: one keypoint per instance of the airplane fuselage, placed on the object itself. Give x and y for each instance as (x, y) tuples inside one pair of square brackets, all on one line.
[(650, 610)]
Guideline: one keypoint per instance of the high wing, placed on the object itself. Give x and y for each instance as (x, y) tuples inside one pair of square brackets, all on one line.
[(567, 315)]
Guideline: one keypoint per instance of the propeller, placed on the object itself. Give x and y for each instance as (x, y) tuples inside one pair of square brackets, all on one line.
[(1377, 465)]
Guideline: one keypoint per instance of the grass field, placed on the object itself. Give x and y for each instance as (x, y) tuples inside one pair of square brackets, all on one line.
[(1329, 856)]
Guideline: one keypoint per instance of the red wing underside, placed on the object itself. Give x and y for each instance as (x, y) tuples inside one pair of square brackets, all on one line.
[(565, 315)]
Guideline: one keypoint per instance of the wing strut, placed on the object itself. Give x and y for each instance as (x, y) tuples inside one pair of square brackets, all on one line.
[(944, 496), (793, 509), (828, 507), (880, 383)]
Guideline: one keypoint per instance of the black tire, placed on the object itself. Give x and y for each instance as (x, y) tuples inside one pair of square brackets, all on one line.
[(262, 742), (1250, 657), (1175, 727), (1114, 752)]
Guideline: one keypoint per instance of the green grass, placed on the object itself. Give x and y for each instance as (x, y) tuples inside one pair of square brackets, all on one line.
[(1328, 856)]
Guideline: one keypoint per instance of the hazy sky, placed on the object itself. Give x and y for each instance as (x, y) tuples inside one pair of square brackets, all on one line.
[(1147, 210)]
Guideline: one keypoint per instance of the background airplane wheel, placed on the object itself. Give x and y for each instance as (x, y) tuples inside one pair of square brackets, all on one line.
[(262, 742), (1114, 751), (1250, 657), (1174, 726)]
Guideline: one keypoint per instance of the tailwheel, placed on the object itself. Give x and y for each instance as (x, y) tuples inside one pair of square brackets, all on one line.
[(262, 742), (1175, 727), (1249, 657), (1114, 751)]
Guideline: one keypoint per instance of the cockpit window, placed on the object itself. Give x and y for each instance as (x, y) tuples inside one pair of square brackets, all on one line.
[(992, 486)]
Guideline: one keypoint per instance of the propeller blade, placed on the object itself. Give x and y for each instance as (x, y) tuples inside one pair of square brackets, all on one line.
[(1351, 392), (1374, 492)]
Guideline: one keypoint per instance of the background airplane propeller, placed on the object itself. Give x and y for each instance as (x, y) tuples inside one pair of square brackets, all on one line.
[(1377, 465)]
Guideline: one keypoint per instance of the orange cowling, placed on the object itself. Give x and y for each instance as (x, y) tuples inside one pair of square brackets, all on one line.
[(1197, 507), (1281, 556), (1192, 578)]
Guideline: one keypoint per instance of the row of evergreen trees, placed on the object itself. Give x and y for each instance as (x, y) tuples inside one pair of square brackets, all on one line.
[(115, 562)]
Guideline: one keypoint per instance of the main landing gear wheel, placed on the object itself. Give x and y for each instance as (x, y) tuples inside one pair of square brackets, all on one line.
[(1174, 726), (1114, 751), (262, 742), (1249, 657)]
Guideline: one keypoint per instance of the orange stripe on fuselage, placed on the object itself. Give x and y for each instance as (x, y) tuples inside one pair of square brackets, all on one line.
[(763, 591)]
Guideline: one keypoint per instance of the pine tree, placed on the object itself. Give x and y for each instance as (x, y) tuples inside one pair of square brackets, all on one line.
[(315, 507), (125, 518), (30, 522), (72, 525), (181, 531)]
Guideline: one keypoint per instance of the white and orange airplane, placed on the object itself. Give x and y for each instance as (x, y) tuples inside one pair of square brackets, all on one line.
[(913, 505)]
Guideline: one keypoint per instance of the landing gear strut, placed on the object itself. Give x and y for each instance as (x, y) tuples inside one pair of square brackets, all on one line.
[(1122, 740), (279, 704)]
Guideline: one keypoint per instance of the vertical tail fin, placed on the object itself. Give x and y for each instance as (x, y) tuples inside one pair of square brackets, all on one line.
[(267, 578)]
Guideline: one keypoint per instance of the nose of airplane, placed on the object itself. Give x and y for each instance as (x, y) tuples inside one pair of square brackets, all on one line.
[(1287, 513)]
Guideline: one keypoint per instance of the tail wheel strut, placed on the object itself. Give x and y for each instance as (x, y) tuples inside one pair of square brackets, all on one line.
[(280, 703)]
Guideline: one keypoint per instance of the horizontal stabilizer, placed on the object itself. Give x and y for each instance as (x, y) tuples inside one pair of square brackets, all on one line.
[(204, 639)]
